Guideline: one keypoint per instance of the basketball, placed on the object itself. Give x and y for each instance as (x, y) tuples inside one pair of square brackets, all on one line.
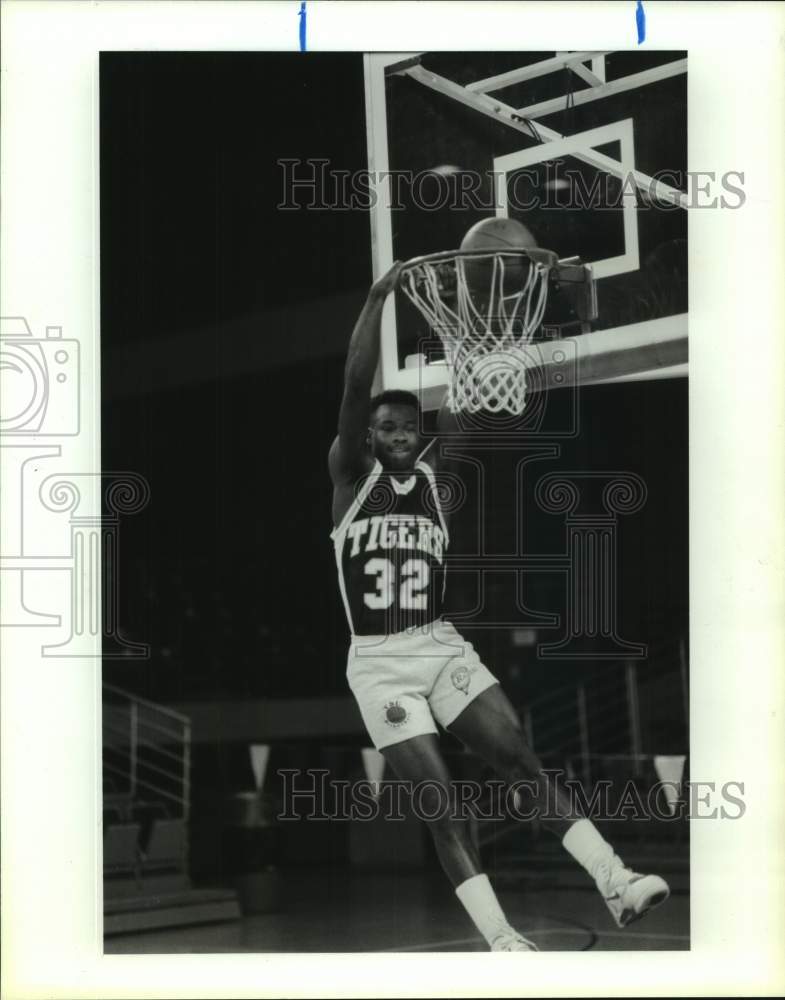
[(496, 234)]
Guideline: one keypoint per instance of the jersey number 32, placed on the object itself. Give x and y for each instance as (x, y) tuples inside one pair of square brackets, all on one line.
[(413, 584)]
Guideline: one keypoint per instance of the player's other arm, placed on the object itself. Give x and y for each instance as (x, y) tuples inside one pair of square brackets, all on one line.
[(349, 452)]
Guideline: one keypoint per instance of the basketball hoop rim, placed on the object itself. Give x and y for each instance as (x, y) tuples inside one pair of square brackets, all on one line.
[(536, 254)]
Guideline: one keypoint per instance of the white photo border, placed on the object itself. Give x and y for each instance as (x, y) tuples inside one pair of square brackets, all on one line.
[(51, 753)]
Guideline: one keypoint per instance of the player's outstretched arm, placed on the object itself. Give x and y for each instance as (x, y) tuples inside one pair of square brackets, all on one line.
[(349, 453)]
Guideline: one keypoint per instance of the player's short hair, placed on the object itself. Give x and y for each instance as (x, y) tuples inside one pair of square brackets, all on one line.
[(394, 397)]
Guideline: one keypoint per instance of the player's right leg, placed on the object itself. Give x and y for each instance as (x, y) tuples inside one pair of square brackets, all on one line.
[(419, 760)]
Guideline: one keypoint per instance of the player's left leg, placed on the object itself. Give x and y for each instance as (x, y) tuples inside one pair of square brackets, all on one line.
[(489, 726)]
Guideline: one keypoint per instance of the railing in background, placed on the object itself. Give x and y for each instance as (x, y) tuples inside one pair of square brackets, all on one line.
[(619, 713), (146, 752), (612, 727)]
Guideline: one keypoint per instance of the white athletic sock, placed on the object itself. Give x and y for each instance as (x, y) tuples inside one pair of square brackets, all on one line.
[(481, 904), (589, 848)]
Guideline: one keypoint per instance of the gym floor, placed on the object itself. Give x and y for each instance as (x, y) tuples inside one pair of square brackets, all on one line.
[(341, 909)]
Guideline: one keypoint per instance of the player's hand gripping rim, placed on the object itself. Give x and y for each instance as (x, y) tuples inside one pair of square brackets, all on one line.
[(382, 287)]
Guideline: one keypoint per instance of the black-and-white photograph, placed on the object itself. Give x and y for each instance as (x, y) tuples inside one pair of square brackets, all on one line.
[(401, 658), (392, 525)]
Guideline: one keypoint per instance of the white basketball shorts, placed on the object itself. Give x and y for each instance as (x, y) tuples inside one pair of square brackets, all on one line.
[(407, 682)]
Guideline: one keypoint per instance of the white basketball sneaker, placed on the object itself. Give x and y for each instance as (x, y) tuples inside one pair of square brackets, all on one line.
[(512, 941), (630, 896)]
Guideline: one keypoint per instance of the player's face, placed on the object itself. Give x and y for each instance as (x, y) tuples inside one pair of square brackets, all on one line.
[(395, 438)]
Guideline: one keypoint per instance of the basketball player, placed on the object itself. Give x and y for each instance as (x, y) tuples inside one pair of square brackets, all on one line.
[(408, 668)]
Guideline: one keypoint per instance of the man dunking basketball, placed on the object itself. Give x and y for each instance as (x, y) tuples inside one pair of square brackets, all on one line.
[(408, 668)]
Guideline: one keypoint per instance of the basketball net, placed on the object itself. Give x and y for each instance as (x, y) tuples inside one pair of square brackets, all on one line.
[(484, 330)]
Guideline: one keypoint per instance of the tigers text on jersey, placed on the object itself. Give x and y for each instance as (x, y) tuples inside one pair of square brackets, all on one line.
[(390, 549)]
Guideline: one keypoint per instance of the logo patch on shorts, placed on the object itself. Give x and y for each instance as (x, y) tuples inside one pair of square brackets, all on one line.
[(394, 715), (461, 678)]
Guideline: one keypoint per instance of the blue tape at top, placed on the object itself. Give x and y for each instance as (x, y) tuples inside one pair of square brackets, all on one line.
[(303, 15), (640, 20)]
